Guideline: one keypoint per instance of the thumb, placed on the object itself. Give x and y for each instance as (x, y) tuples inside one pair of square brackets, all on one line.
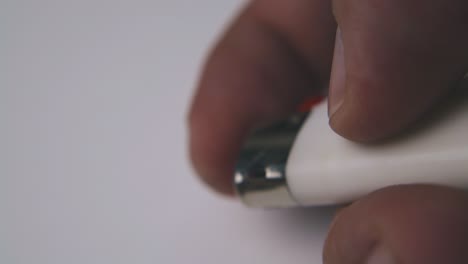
[(418, 224), (393, 62)]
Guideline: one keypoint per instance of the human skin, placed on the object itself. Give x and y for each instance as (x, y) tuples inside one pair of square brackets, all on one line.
[(385, 64)]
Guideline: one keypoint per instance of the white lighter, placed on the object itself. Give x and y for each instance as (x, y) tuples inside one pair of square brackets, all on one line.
[(302, 162)]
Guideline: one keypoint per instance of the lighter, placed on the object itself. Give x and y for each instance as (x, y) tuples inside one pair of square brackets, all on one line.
[(301, 161)]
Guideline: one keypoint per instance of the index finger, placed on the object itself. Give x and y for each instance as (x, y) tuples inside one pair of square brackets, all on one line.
[(274, 55)]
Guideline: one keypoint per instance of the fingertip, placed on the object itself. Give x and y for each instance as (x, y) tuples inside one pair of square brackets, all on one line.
[(373, 111), (401, 224), (266, 63), (397, 64), (211, 155)]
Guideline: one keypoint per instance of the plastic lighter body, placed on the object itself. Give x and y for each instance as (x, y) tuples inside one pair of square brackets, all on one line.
[(301, 161)]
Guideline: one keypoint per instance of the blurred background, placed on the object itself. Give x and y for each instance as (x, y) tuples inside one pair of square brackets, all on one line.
[(93, 142)]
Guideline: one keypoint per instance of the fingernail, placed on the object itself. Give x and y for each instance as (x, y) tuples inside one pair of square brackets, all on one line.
[(381, 255), (337, 78)]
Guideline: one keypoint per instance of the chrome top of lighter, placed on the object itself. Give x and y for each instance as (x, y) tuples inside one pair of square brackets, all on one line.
[(260, 178)]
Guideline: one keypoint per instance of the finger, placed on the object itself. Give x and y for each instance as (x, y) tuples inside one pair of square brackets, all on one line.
[(406, 224), (393, 61), (273, 56)]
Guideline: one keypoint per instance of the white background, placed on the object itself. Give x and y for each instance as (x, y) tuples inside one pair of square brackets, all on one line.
[(93, 167)]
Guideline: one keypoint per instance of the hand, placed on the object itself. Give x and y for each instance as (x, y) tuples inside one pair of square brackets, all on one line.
[(386, 63)]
